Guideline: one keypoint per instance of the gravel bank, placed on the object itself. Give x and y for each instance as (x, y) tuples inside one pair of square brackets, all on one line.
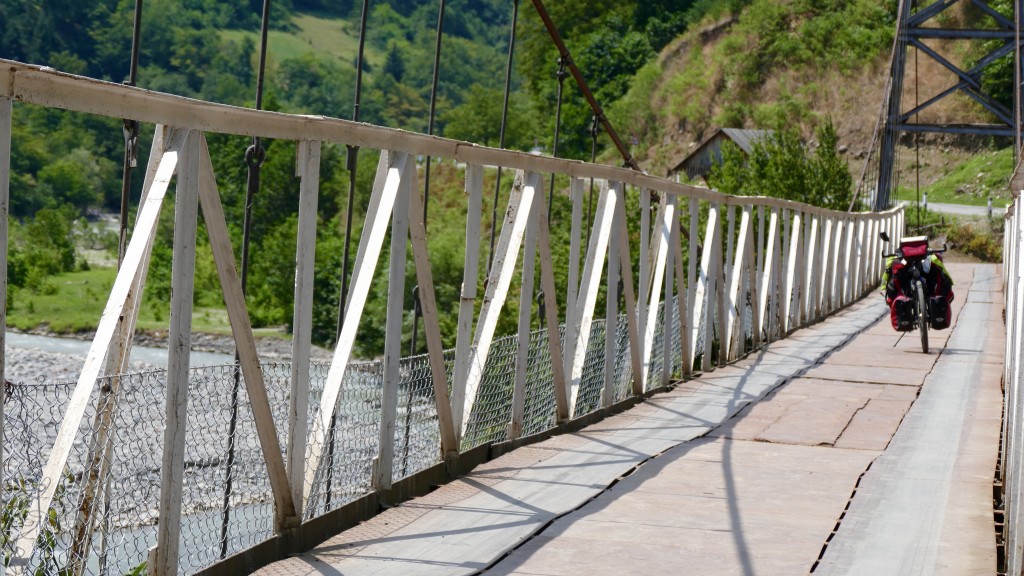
[(34, 364)]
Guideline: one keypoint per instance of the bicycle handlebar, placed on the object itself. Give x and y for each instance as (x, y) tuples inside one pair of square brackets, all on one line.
[(929, 252)]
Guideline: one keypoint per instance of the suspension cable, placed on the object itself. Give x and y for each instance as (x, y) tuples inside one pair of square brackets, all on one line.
[(433, 104), (501, 131), (255, 155), (560, 75), (352, 163), (595, 129), (130, 128), (628, 159)]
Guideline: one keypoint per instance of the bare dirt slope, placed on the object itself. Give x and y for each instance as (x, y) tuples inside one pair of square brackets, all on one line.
[(853, 101)]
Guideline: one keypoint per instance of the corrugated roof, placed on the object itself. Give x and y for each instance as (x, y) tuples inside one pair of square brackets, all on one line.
[(745, 139)]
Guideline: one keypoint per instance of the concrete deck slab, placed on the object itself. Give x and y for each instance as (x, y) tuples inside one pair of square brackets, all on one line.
[(726, 519), (924, 507)]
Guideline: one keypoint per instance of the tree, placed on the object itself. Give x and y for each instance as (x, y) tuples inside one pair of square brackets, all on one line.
[(781, 166), (478, 120), (729, 176), (394, 62), (74, 179), (831, 172), (314, 85)]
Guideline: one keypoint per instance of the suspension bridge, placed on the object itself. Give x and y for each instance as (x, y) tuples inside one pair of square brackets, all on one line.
[(741, 406)]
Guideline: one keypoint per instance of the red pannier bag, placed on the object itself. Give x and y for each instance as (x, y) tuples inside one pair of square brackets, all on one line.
[(902, 313), (914, 246)]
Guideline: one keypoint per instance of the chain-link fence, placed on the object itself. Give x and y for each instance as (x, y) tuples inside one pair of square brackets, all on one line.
[(104, 516)]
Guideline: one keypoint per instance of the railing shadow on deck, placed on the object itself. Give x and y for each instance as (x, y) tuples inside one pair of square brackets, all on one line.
[(315, 447)]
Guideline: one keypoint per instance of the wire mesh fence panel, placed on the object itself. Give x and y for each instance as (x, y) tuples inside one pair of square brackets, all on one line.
[(700, 342), (654, 366), (227, 502), (131, 491), (353, 439), (417, 434), (676, 343), (103, 516), (492, 410), (592, 378), (623, 361), (539, 412), (32, 418)]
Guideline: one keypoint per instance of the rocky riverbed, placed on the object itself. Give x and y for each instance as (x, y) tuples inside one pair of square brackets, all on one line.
[(46, 358)]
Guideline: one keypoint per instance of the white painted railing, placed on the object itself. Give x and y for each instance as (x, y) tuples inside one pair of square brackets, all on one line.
[(736, 271), (1011, 468)]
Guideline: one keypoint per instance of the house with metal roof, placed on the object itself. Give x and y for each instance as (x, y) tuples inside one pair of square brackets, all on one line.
[(709, 152)]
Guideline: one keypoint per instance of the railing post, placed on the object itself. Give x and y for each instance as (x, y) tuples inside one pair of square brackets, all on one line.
[(703, 299), (428, 310), (245, 345), (849, 248), (858, 270), (672, 234), (547, 284), (811, 267), (778, 274), (1015, 482), (759, 248), (753, 278), (682, 296), (792, 276), (644, 285), (572, 290), (515, 429), (648, 260), (691, 282), (5, 181), (1010, 271), (767, 282), (659, 250), (829, 241), (383, 469), (611, 336), (464, 339), (186, 211), (720, 301), (872, 275), (805, 262), (730, 218), (626, 274), (308, 170), (596, 253), (734, 297)]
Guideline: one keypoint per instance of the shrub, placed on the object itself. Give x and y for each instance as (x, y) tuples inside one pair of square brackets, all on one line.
[(969, 239)]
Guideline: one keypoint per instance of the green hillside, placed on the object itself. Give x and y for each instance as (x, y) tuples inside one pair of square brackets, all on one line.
[(324, 36)]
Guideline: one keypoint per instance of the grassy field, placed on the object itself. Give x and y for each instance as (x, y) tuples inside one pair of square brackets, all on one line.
[(986, 174), (333, 36), (73, 302)]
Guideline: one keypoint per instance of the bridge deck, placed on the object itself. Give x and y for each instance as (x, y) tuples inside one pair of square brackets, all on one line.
[(836, 451)]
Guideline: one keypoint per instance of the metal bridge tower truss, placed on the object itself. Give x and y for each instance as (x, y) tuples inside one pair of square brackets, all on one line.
[(915, 25)]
